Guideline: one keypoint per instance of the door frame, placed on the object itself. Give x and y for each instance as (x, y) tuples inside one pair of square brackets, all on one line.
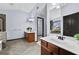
[(42, 26), (3, 17)]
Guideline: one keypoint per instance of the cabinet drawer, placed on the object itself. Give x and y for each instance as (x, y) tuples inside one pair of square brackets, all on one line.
[(45, 51), (44, 43), (53, 48)]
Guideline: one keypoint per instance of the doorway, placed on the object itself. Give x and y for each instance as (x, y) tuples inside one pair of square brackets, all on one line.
[(2, 22), (40, 28)]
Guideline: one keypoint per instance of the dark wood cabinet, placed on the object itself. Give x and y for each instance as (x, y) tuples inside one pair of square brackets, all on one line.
[(51, 49), (45, 51), (44, 43), (48, 48), (44, 48), (65, 52), (30, 37)]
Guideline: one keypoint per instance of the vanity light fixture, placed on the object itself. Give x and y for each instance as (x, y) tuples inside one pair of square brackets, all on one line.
[(58, 6), (31, 20), (54, 4)]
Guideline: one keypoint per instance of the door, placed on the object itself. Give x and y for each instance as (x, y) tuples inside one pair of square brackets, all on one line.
[(40, 27), (1, 26), (2, 22)]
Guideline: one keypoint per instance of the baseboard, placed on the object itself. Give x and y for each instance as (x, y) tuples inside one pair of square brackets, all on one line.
[(39, 35), (20, 38), (15, 39)]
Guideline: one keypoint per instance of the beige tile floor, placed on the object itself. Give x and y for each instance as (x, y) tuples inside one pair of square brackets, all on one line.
[(21, 47)]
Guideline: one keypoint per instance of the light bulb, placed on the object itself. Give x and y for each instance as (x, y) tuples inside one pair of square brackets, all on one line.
[(31, 19), (57, 6), (53, 3)]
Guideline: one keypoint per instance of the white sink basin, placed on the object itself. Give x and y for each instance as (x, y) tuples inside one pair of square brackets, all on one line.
[(68, 40), (55, 39), (72, 42)]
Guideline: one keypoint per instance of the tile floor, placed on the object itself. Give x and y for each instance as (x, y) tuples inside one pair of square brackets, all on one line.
[(21, 47)]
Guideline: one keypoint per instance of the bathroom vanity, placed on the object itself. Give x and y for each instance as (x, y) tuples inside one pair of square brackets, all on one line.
[(30, 36), (51, 45)]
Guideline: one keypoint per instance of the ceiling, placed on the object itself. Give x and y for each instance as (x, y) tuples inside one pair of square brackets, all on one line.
[(26, 7), (56, 5), (41, 9)]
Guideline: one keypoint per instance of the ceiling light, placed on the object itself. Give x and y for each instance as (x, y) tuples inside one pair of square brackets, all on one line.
[(58, 6), (31, 20), (53, 3)]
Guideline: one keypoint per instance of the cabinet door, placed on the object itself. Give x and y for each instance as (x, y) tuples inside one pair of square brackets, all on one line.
[(45, 51), (31, 37), (44, 43), (65, 52), (53, 48)]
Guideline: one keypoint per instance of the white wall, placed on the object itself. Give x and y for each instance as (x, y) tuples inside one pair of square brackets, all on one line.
[(48, 19), (70, 8), (43, 14), (55, 13), (16, 22), (39, 13), (66, 10)]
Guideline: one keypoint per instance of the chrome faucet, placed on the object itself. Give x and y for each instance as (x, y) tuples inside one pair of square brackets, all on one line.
[(60, 37)]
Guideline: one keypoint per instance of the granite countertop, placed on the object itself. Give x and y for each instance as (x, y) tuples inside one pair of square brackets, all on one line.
[(69, 43)]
